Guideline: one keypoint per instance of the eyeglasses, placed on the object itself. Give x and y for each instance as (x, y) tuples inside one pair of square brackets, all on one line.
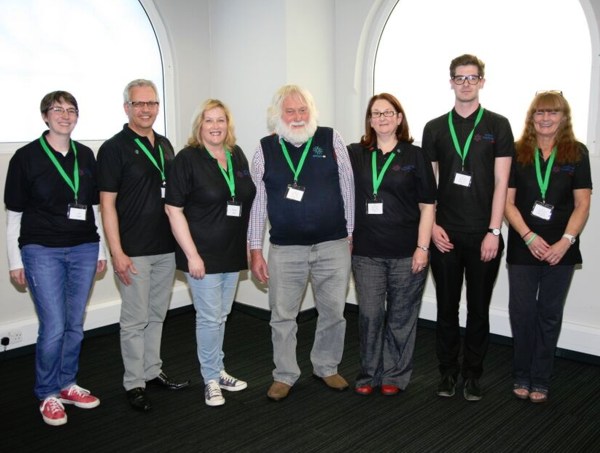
[(541, 112), (387, 113), (142, 104), (61, 111), (560, 93), (472, 79)]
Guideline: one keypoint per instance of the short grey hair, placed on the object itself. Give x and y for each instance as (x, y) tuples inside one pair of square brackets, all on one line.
[(139, 83)]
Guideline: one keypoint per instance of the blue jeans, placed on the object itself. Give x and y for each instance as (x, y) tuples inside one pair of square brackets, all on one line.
[(389, 300), (536, 302), (59, 280), (213, 297), (327, 265), (144, 306)]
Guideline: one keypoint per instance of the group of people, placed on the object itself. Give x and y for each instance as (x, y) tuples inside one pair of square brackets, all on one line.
[(382, 209)]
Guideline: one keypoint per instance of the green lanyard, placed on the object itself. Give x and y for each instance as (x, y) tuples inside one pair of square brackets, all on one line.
[(161, 169), (463, 152), (229, 178), (296, 171), (73, 184), (543, 183), (378, 178)]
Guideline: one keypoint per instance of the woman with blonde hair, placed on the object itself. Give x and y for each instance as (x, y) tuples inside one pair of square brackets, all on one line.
[(208, 202)]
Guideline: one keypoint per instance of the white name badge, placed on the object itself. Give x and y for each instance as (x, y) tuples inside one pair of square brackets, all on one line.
[(234, 209), (294, 192), (375, 207), (76, 211), (542, 210), (462, 179)]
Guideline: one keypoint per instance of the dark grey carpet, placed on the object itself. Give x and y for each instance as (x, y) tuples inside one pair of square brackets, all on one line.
[(313, 418)]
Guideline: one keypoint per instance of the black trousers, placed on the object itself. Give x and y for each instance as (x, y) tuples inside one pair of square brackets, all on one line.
[(448, 270)]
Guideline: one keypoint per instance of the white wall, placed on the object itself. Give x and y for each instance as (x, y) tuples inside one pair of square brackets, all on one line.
[(241, 51)]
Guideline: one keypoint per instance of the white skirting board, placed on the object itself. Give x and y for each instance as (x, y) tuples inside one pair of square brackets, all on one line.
[(574, 337)]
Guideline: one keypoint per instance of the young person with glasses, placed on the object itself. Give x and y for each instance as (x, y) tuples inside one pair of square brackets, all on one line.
[(55, 249), (471, 149)]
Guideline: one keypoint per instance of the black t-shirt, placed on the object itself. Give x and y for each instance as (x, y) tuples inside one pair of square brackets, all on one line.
[(35, 188), (564, 179), (125, 169), (459, 208), (197, 184), (408, 181)]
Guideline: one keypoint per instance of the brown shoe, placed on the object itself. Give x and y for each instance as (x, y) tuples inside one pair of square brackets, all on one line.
[(278, 391), (334, 382)]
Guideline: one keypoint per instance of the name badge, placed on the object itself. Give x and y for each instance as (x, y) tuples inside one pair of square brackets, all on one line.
[(76, 212), (375, 207), (462, 178), (542, 210), (294, 192), (234, 209)]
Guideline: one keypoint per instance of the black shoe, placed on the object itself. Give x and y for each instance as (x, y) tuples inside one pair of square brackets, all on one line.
[(447, 386), (138, 400), (165, 381), (472, 390)]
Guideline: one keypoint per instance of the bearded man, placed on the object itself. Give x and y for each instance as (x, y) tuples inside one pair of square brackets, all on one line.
[(304, 184)]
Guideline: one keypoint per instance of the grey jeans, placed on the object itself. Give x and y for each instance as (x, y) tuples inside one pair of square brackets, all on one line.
[(145, 303), (327, 266)]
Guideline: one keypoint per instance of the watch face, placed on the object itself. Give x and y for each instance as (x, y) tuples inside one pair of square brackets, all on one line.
[(495, 231)]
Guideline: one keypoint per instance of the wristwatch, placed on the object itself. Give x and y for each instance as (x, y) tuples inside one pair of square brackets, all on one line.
[(494, 231), (570, 237)]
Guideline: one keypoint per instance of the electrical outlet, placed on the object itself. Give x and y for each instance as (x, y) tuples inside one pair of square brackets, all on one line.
[(16, 336)]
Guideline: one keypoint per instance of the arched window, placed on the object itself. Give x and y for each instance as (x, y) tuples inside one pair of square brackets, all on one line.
[(527, 46), (91, 48)]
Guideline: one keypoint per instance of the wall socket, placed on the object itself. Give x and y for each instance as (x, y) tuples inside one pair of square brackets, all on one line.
[(15, 336)]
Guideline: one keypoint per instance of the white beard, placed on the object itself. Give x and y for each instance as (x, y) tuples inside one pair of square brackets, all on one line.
[(295, 135)]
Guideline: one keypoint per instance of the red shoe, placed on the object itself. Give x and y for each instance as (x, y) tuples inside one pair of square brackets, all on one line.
[(389, 390), (78, 396), (53, 412), (364, 389)]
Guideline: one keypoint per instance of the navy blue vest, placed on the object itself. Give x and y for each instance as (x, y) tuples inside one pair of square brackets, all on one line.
[(320, 216)]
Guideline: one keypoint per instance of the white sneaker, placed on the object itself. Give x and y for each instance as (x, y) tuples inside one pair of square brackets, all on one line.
[(212, 394), (230, 383)]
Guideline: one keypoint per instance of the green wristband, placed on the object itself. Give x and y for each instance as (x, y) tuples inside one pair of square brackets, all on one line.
[(530, 240)]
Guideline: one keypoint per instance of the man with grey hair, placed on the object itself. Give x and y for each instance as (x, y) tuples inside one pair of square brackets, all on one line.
[(132, 174), (305, 185)]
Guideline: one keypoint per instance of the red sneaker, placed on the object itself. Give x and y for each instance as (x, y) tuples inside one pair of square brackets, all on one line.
[(78, 396), (53, 412)]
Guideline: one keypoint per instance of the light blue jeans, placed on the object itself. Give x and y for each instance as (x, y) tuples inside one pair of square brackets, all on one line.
[(213, 297), (327, 265), (59, 280), (144, 306)]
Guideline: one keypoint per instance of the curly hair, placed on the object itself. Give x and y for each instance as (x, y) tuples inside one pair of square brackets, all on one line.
[(565, 141), (402, 132)]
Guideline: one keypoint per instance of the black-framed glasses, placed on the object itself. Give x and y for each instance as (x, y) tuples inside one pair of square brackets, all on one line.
[(559, 92), (387, 113), (61, 111), (472, 79), (141, 104)]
